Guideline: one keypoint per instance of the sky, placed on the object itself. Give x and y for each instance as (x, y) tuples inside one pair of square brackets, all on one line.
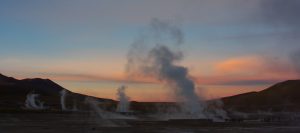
[(230, 46)]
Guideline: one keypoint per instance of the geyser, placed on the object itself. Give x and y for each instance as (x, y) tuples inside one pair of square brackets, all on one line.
[(123, 105), (162, 66), (32, 102), (159, 61), (63, 99), (102, 113), (94, 104)]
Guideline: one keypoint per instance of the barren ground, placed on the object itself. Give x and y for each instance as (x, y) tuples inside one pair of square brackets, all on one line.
[(90, 123)]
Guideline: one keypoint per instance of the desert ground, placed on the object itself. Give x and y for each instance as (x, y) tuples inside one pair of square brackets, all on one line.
[(70, 122)]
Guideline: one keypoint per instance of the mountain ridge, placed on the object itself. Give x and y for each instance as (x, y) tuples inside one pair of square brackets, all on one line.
[(13, 93), (283, 96)]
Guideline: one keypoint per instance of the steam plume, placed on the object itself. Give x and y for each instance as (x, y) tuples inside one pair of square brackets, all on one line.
[(160, 62), (215, 111), (32, 102), (94, 104), (124, 103), (62, 99), (103, 114), (163, 67)]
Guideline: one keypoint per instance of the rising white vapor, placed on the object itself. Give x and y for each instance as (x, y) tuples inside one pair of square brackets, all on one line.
[(124, 102), (32, 102), (63, 99), (159, 61)]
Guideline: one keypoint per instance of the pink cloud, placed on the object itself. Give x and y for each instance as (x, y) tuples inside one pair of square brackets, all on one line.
[(249, 70)]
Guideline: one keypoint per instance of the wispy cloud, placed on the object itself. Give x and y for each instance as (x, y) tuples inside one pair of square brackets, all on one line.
[(254, 65), (92, 78), (250, 70)]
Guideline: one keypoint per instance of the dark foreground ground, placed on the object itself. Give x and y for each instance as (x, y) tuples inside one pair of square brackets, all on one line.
[(90, 123)]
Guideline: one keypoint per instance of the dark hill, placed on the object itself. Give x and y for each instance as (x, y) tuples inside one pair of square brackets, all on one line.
[(284, 96), (9, 85), (13, 93), (4, 79)]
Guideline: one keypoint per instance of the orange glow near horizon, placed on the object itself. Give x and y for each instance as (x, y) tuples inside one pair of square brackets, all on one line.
[(226, 77), (155, 92)]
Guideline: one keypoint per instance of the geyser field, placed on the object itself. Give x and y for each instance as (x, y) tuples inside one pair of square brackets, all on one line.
[(42, 106), (50, 108), (94, 115)]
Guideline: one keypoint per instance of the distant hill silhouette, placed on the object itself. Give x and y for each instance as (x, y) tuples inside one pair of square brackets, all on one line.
[(283, 96), (40, 86), (13, 93)]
